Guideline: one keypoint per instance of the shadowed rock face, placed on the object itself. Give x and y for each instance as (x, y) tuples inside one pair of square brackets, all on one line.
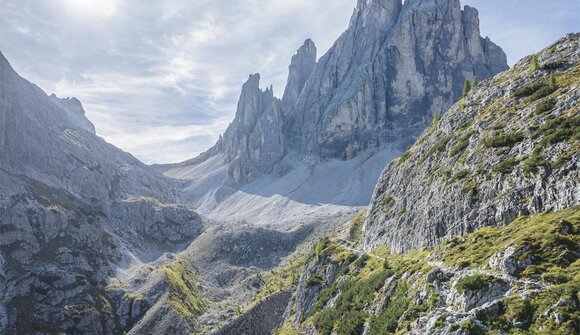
[(379, 85), (498, 155), (301, 67), (73, 210)]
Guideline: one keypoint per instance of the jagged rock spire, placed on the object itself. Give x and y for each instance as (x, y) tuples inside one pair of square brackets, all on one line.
[(301, 68)]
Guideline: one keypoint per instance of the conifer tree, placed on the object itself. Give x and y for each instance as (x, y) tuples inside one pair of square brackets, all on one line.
[(466, 88), (534, 63), (552, 81)]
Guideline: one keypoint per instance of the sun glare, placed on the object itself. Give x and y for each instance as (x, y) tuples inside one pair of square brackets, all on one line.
[(92, 8)]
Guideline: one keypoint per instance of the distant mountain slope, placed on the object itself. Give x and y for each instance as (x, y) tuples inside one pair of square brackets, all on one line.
[(509, 148), (500, 169), (377, 88), (74, 210)]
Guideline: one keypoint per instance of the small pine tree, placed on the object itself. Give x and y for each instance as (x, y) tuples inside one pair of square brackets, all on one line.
[(466, 88), (534, 63), (474, 82), (552, 81)]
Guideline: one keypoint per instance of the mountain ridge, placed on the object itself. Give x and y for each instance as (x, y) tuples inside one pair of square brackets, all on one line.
[(366, 98)]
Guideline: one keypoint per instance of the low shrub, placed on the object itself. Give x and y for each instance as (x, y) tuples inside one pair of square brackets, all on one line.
[(314, 280), (474, 282), (506, 140), (351, 324), (546, 105), (461, 145), (543, 92), (528, 90), (506, 166), (553, 65)]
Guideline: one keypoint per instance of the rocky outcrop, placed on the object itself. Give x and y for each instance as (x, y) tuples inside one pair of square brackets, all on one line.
[(254, 141), (301, 67), (260, 320), (379, 85), (75, 112), (509, 148), (74, 210), (456, 288)]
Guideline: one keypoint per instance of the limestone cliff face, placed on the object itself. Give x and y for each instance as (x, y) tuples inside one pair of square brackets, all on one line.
[(73, 210), (394, 67), (510, 148), (379, 85), (301, 67), (254, 141)]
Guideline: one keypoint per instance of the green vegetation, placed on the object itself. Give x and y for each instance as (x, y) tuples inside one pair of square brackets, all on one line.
[(559, 129), (474, 82), (388, 320), (461, 145), (439, 146), (554, 65), (474, 283), (321, 246), (347, 317), (530, 89), (436, 119), (471, 328), (466, 88), (351, 324), (404, 158), (506, 140), (534, 162), (546, 105), (314, 280), (462, 103), (283, 278), (538, 235), (549, 240), (459, 176), (471, 191), (543, 92), (355, 231), (552, 81), (184, 295), (534, 63), (388, 200), (506, 166)]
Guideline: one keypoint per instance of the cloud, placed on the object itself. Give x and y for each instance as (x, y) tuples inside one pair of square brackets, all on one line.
[(161, 79)]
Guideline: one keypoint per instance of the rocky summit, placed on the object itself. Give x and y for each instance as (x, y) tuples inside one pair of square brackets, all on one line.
[(508, 148), (74, 211), (354, 109), (379, 85), (474, 230), (473, 227)]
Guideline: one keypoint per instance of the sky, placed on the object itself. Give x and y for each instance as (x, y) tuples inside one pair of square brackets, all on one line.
[(161, 79)]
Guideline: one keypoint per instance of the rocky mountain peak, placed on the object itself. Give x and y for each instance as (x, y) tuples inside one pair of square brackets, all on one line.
[(300, 69), (253, 142), (75, 112), (508, 149), (376, 12), (378, 87)]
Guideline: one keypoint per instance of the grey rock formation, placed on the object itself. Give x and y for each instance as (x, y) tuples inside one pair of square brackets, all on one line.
[(260, 320), (74, 210), (75, 112), (384, 78), (378, 86), (254, 141), (301, 67), (491, 158)]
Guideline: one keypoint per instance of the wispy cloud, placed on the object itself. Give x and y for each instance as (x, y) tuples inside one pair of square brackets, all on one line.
[(161, 79)]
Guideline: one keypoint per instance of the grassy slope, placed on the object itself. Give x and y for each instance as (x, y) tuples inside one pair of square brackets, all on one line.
[(360, 287)]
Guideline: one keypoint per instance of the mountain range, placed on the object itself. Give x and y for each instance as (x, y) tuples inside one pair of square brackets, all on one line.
[(408, 181)]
